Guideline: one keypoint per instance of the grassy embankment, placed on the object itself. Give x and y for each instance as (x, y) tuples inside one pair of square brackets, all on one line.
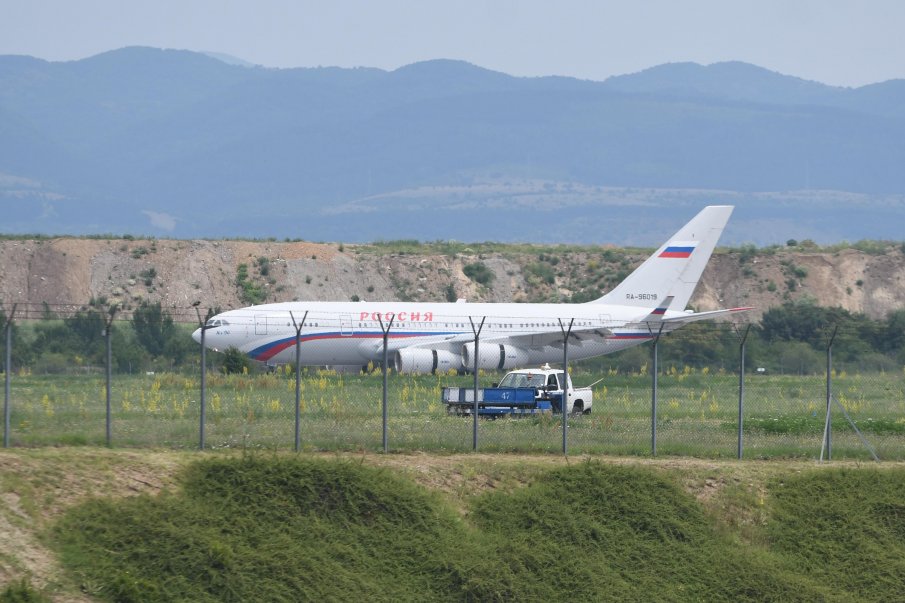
[(271, 527), (697, 414)]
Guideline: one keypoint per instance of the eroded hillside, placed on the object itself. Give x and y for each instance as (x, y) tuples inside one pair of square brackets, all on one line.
[(229, 274)]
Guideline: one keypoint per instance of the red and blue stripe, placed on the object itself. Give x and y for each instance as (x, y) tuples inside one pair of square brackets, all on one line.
[(677, 251), (269, 350), (631, 336)]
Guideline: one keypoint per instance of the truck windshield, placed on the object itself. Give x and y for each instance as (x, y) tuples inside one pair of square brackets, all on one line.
[(522, 380)]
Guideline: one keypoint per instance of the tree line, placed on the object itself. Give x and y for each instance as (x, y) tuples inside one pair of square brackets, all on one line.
[(791, 338)]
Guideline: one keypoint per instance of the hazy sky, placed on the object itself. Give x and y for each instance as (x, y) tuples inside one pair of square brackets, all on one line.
[(839, 42)]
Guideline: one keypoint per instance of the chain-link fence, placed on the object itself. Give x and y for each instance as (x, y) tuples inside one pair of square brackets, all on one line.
[(719, 390)]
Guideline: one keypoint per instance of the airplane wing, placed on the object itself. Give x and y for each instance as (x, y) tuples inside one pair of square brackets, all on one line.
[(545, 338), (448, 342), (584, 334)]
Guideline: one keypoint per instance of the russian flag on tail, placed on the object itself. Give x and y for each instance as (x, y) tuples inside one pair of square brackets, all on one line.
[(679, 249)]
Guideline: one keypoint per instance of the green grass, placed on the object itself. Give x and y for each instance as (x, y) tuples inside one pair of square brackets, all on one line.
[(627, 534), (697, 414), (274, 530), (21, 592), (844, 529), (285, 529)]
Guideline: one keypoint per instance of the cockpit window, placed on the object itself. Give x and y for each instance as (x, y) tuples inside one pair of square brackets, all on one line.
[(216, 322)]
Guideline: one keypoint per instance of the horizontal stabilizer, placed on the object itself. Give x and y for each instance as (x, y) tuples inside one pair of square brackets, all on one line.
[(681, 320), (659, 311)]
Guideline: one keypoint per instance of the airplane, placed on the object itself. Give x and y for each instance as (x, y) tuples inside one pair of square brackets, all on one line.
[(439, 337)]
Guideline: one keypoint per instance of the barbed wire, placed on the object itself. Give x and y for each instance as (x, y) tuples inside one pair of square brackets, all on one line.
[(54, 311)]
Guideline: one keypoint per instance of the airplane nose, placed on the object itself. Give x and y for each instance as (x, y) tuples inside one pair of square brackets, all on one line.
[(197, 335)]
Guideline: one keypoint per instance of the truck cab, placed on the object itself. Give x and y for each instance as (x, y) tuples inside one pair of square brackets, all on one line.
[(547, 384)]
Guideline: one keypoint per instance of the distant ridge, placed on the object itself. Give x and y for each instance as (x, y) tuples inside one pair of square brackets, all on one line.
[(732, 80), (229, 59), (439, 149)]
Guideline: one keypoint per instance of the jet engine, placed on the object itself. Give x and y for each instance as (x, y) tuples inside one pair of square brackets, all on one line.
[(494, 356), (425, 360)]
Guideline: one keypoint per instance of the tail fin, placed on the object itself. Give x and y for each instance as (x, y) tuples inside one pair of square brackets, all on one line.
[(675, 268)]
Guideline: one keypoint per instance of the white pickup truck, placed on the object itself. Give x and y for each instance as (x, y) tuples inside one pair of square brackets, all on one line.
[(547, 383)]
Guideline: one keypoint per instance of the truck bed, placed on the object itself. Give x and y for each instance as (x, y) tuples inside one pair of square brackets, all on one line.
[(495, 401)]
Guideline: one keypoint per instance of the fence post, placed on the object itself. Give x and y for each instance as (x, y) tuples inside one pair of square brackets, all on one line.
[(477, 337), (654, 392), (741, 389), (204, 327), (8, 327), (298, 376), (828, 426), (108, 325), (566, 333), (386, 336)]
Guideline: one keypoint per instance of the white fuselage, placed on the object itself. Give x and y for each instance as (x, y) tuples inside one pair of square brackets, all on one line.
[(351, 332)]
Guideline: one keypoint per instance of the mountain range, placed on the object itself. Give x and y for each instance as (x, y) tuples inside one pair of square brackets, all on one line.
[(182, 144)]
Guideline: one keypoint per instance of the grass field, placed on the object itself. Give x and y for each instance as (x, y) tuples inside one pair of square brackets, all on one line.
[(234, 526), (697, 414)]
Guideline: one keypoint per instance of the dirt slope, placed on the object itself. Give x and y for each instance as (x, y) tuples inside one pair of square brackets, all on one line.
[(73, 271)]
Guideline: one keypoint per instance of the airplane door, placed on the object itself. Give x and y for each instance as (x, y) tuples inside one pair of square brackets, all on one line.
[(260, 324), (345, 324)]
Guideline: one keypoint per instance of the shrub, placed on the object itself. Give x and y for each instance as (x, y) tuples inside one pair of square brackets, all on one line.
[(542, 271), (249, 291), (235, 361), (478, 272)]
